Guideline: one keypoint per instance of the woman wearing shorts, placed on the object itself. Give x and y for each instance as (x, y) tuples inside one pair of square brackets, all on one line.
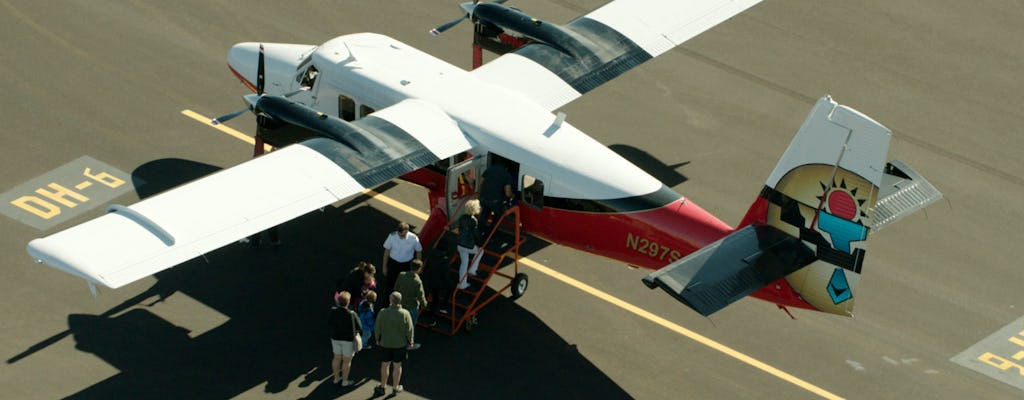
[(344, 324)]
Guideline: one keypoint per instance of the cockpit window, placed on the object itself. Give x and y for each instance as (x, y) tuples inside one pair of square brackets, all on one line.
[(308, 77)]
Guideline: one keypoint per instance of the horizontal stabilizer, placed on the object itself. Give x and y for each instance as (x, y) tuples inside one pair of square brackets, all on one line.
[(903, 192), (731, 268)]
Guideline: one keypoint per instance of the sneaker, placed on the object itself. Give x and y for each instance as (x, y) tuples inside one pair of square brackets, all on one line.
[(464, 286), (379, 390), (347, 383), (336, 380), (399, 389), (414, 346)]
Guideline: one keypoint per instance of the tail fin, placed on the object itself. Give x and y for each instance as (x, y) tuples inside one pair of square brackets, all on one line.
[(811, 221)]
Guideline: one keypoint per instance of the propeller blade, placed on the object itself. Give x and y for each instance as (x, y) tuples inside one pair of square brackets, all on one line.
[(227, 117), (259, 73), (446, 26)]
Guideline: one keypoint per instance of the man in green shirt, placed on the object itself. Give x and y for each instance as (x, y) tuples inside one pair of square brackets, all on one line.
[(393, 333), (413, 299)]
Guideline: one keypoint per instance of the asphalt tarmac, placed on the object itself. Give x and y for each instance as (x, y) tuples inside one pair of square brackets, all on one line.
[(109, 79)]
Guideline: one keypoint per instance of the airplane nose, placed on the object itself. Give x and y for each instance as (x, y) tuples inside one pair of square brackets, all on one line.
[(281, 63), (242, 60)]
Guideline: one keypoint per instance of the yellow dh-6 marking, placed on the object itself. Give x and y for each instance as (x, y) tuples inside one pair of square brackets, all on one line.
[(1004, 364), (999, 356), (55, 195), (65, 192)]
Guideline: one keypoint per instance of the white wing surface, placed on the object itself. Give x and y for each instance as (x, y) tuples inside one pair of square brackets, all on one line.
[(612, 40), (175, 226)]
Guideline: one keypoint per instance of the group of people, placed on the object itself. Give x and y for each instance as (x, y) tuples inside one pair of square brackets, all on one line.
[(356, 324)]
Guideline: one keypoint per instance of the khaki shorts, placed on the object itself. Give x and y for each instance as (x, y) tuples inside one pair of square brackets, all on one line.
[(345, 348)]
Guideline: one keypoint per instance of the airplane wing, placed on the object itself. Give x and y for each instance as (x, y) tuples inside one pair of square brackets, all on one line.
[(130, 243), (604, 44)]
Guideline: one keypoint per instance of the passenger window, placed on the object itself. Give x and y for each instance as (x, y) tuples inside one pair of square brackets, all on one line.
[(346, 108), (533, 191), (364, 110)]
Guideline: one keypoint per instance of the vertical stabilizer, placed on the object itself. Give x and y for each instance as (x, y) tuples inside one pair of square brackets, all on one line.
[(823, 191)]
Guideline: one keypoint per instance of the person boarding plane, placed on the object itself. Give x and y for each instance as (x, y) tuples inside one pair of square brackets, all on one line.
[(362, 109)]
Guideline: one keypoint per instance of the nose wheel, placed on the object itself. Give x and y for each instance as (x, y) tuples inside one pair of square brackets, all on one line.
[(519, 285)]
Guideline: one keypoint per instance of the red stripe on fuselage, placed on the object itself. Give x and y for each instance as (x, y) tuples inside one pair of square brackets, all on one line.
[(650, 238), (241, 78)]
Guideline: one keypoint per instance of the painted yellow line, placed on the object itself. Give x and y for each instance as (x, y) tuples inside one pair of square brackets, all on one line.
[(679, 329), (587, 289), (223, 128), (397, 204)]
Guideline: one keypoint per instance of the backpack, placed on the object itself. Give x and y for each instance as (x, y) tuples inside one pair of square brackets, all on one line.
[(367, 317)]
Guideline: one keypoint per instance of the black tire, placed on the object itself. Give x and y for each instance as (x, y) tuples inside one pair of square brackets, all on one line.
[(519, 285)]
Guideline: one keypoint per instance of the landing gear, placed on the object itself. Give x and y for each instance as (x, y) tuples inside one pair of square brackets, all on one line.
[(519, 285)]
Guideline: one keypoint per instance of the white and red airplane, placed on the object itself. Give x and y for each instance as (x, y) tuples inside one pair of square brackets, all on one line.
[(363, 109)]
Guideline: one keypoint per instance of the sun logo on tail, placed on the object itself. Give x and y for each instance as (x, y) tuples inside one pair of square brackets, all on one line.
[(842, 201)]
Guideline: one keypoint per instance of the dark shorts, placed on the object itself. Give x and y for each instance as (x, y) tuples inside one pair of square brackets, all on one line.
[(394, 355)]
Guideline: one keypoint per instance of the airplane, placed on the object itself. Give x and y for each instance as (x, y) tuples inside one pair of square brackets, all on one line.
[(363, 109)]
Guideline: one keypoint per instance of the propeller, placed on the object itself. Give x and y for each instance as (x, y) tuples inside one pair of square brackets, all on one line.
[(252, 100), (468, 8), (260, 78)]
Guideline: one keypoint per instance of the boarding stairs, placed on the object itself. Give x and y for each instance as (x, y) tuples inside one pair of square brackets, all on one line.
[(500, 250)]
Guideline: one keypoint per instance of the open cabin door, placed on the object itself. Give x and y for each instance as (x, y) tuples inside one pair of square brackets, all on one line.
[(462, 184)]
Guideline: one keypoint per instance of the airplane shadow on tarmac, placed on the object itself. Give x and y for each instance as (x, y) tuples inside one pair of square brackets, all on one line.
[(276, 299)]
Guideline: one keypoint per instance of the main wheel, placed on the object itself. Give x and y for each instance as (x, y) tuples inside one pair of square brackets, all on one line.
[(519, 285)]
